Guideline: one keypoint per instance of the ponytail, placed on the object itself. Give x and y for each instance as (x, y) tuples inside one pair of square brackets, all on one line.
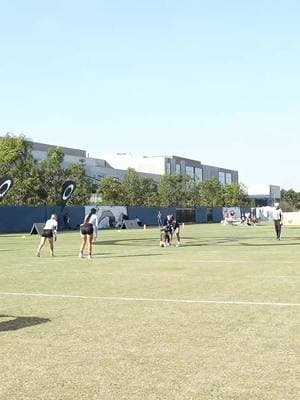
[(87, 220)]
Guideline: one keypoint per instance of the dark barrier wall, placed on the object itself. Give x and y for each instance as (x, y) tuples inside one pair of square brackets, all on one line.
[(148, 215), (75, 214), (217, 213), (185, 215), (201, 215), (21, 218)]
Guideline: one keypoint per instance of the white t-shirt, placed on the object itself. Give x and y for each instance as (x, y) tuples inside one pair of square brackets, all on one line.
[(277, 214), (51, 224), (93, 220)]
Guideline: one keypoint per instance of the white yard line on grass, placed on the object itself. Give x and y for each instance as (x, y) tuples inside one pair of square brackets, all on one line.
[(144, 299), (280, 276)]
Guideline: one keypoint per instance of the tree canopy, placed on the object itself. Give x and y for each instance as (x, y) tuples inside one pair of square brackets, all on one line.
[(40, 183)]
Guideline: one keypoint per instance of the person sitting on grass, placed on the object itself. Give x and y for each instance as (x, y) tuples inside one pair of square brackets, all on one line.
[(165, 235)]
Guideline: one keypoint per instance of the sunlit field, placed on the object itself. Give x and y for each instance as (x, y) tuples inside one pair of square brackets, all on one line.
[(216, 318)]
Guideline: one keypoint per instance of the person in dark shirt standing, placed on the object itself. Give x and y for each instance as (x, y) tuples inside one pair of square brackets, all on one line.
[(278, 220)]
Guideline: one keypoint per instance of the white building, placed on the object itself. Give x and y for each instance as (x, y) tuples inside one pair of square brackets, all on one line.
[(173, 165), (148, 166), (264, 194)]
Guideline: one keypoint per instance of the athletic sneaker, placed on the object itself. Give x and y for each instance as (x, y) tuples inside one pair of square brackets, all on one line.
[(89, 257), (81, 255), (38, 254)]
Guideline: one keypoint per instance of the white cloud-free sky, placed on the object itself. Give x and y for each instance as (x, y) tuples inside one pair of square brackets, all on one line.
[(217, 81)]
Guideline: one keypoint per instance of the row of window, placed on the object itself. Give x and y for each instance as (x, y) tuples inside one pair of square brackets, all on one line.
[(225, 178), (197, 173)]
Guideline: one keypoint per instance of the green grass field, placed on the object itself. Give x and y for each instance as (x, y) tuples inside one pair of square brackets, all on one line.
[(217, 318)]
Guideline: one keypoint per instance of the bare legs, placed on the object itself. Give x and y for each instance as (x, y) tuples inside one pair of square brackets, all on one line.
[(86, 242), (43, 241)]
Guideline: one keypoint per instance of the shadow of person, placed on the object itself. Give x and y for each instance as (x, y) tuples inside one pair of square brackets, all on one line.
[(13, 323)]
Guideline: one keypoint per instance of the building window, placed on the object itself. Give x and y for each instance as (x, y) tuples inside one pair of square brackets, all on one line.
[(177, 169), (222, 178), (168, 168), (198, 175), (228, 178), (190, 172)]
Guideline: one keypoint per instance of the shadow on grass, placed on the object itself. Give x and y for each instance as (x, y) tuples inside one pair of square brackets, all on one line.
[(277, 243), (15, 323), (111, 255), (127, 242), (126, 255)]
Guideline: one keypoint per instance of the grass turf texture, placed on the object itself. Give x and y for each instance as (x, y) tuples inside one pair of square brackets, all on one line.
[(110, 332)]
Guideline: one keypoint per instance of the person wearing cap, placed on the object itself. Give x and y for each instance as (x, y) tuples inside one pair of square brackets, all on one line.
[(278, 220), (49, 233), (88, 229)]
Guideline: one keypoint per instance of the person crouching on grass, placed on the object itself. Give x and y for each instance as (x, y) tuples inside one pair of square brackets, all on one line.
[(50, 233), (165, 236), (175, 228), (87, 229)]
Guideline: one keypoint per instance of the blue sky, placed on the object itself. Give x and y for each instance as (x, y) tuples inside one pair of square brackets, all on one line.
[(216, 81)]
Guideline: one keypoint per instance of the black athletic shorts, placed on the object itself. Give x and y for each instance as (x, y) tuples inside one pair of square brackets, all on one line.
[(87, 229), (47, 233)]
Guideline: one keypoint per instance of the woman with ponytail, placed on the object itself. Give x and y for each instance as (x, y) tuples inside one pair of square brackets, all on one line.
[(87, 229)]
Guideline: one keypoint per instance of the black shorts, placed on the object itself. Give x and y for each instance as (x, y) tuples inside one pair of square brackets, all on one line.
[(47, 233), (87, 229)]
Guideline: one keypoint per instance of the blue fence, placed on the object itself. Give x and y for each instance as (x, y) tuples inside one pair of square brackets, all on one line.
[(20, 219), (201, 215), (15, 219), (148, 215)]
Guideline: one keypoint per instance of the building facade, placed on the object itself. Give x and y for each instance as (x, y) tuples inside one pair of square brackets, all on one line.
[(264, 194), (173, 165), (147, 166), (96, 168)]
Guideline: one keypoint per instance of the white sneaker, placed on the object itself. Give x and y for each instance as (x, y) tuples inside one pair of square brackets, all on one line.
[(38, 254), (81, 255), (90, 257)]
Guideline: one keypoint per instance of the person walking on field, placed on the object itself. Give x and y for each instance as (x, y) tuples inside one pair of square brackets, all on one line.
[(278, 220), (50, 233), (87, 229), (159, 219)]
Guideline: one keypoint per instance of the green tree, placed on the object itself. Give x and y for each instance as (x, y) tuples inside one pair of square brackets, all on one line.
[(290, 200), (235, 195), (84, 186), (132, 188), (211, 193), (149, 192), (111, 191), (175, 190), (52, 176), (16, 161)]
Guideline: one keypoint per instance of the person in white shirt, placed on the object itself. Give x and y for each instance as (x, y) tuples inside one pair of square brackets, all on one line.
[(278, 220), (88, 230), (50, 233)]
